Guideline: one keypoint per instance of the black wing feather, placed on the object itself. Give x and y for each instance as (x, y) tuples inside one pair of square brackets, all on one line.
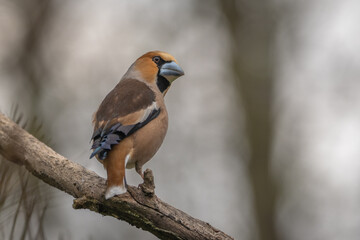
[(105, 138)]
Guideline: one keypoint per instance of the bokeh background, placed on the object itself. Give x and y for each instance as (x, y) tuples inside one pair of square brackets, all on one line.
[(263, 139)]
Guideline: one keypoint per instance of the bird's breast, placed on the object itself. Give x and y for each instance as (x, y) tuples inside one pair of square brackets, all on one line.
[(147, 140)]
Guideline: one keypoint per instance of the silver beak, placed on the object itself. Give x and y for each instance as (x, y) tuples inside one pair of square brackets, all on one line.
[(171, 71)]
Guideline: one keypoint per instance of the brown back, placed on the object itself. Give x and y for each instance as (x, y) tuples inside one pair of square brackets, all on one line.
[(128, 96)]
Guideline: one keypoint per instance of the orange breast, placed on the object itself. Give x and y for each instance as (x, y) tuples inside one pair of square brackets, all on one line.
[(148, 139)]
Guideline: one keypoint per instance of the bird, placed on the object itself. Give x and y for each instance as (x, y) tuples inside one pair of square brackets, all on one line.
[(131, 122)]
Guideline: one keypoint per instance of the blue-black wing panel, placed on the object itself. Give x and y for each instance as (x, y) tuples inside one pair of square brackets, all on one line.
[(105, 138)]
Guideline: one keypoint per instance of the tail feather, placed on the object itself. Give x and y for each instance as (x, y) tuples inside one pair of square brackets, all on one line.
[(115, 190), (115, 168)]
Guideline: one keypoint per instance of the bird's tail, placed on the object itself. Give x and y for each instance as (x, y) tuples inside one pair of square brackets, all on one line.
[(115, 167)]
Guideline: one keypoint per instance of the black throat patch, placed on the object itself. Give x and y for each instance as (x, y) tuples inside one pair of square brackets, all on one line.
[(162, 83)]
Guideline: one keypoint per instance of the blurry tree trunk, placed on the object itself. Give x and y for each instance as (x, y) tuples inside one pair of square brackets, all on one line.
[(251, 27), (28, 69), (35, 16)]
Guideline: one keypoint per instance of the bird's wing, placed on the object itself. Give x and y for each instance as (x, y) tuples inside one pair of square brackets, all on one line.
[(127, 108)]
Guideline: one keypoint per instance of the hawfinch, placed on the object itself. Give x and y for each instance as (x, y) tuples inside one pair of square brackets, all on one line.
[(131, 122)]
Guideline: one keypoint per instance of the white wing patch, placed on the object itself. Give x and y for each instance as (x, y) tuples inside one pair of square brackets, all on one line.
[(148, 110)]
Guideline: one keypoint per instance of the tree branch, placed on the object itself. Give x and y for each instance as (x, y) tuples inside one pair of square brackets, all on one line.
[(139, 206)]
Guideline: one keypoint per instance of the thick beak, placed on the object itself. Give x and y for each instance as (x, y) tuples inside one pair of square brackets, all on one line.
[(171, 71)]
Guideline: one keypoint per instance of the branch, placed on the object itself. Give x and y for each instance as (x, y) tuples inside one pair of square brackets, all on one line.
[(139, 206)]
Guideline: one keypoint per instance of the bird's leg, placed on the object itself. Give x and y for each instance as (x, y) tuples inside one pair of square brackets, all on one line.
[(139, 170)]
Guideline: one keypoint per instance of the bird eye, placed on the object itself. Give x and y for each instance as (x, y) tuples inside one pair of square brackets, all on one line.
[(156, 59)]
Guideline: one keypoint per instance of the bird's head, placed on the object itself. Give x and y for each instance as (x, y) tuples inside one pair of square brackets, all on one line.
[(156, 67)]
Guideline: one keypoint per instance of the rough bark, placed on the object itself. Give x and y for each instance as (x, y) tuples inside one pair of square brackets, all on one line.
[(139, 206)]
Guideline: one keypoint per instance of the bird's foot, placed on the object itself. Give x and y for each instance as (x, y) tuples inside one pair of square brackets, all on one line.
[(148, 186)]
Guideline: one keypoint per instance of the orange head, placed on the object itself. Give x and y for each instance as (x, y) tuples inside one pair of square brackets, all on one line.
[(155, 67)]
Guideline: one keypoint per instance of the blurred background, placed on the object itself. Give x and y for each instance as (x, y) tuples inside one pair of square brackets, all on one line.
[(263, 139)]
